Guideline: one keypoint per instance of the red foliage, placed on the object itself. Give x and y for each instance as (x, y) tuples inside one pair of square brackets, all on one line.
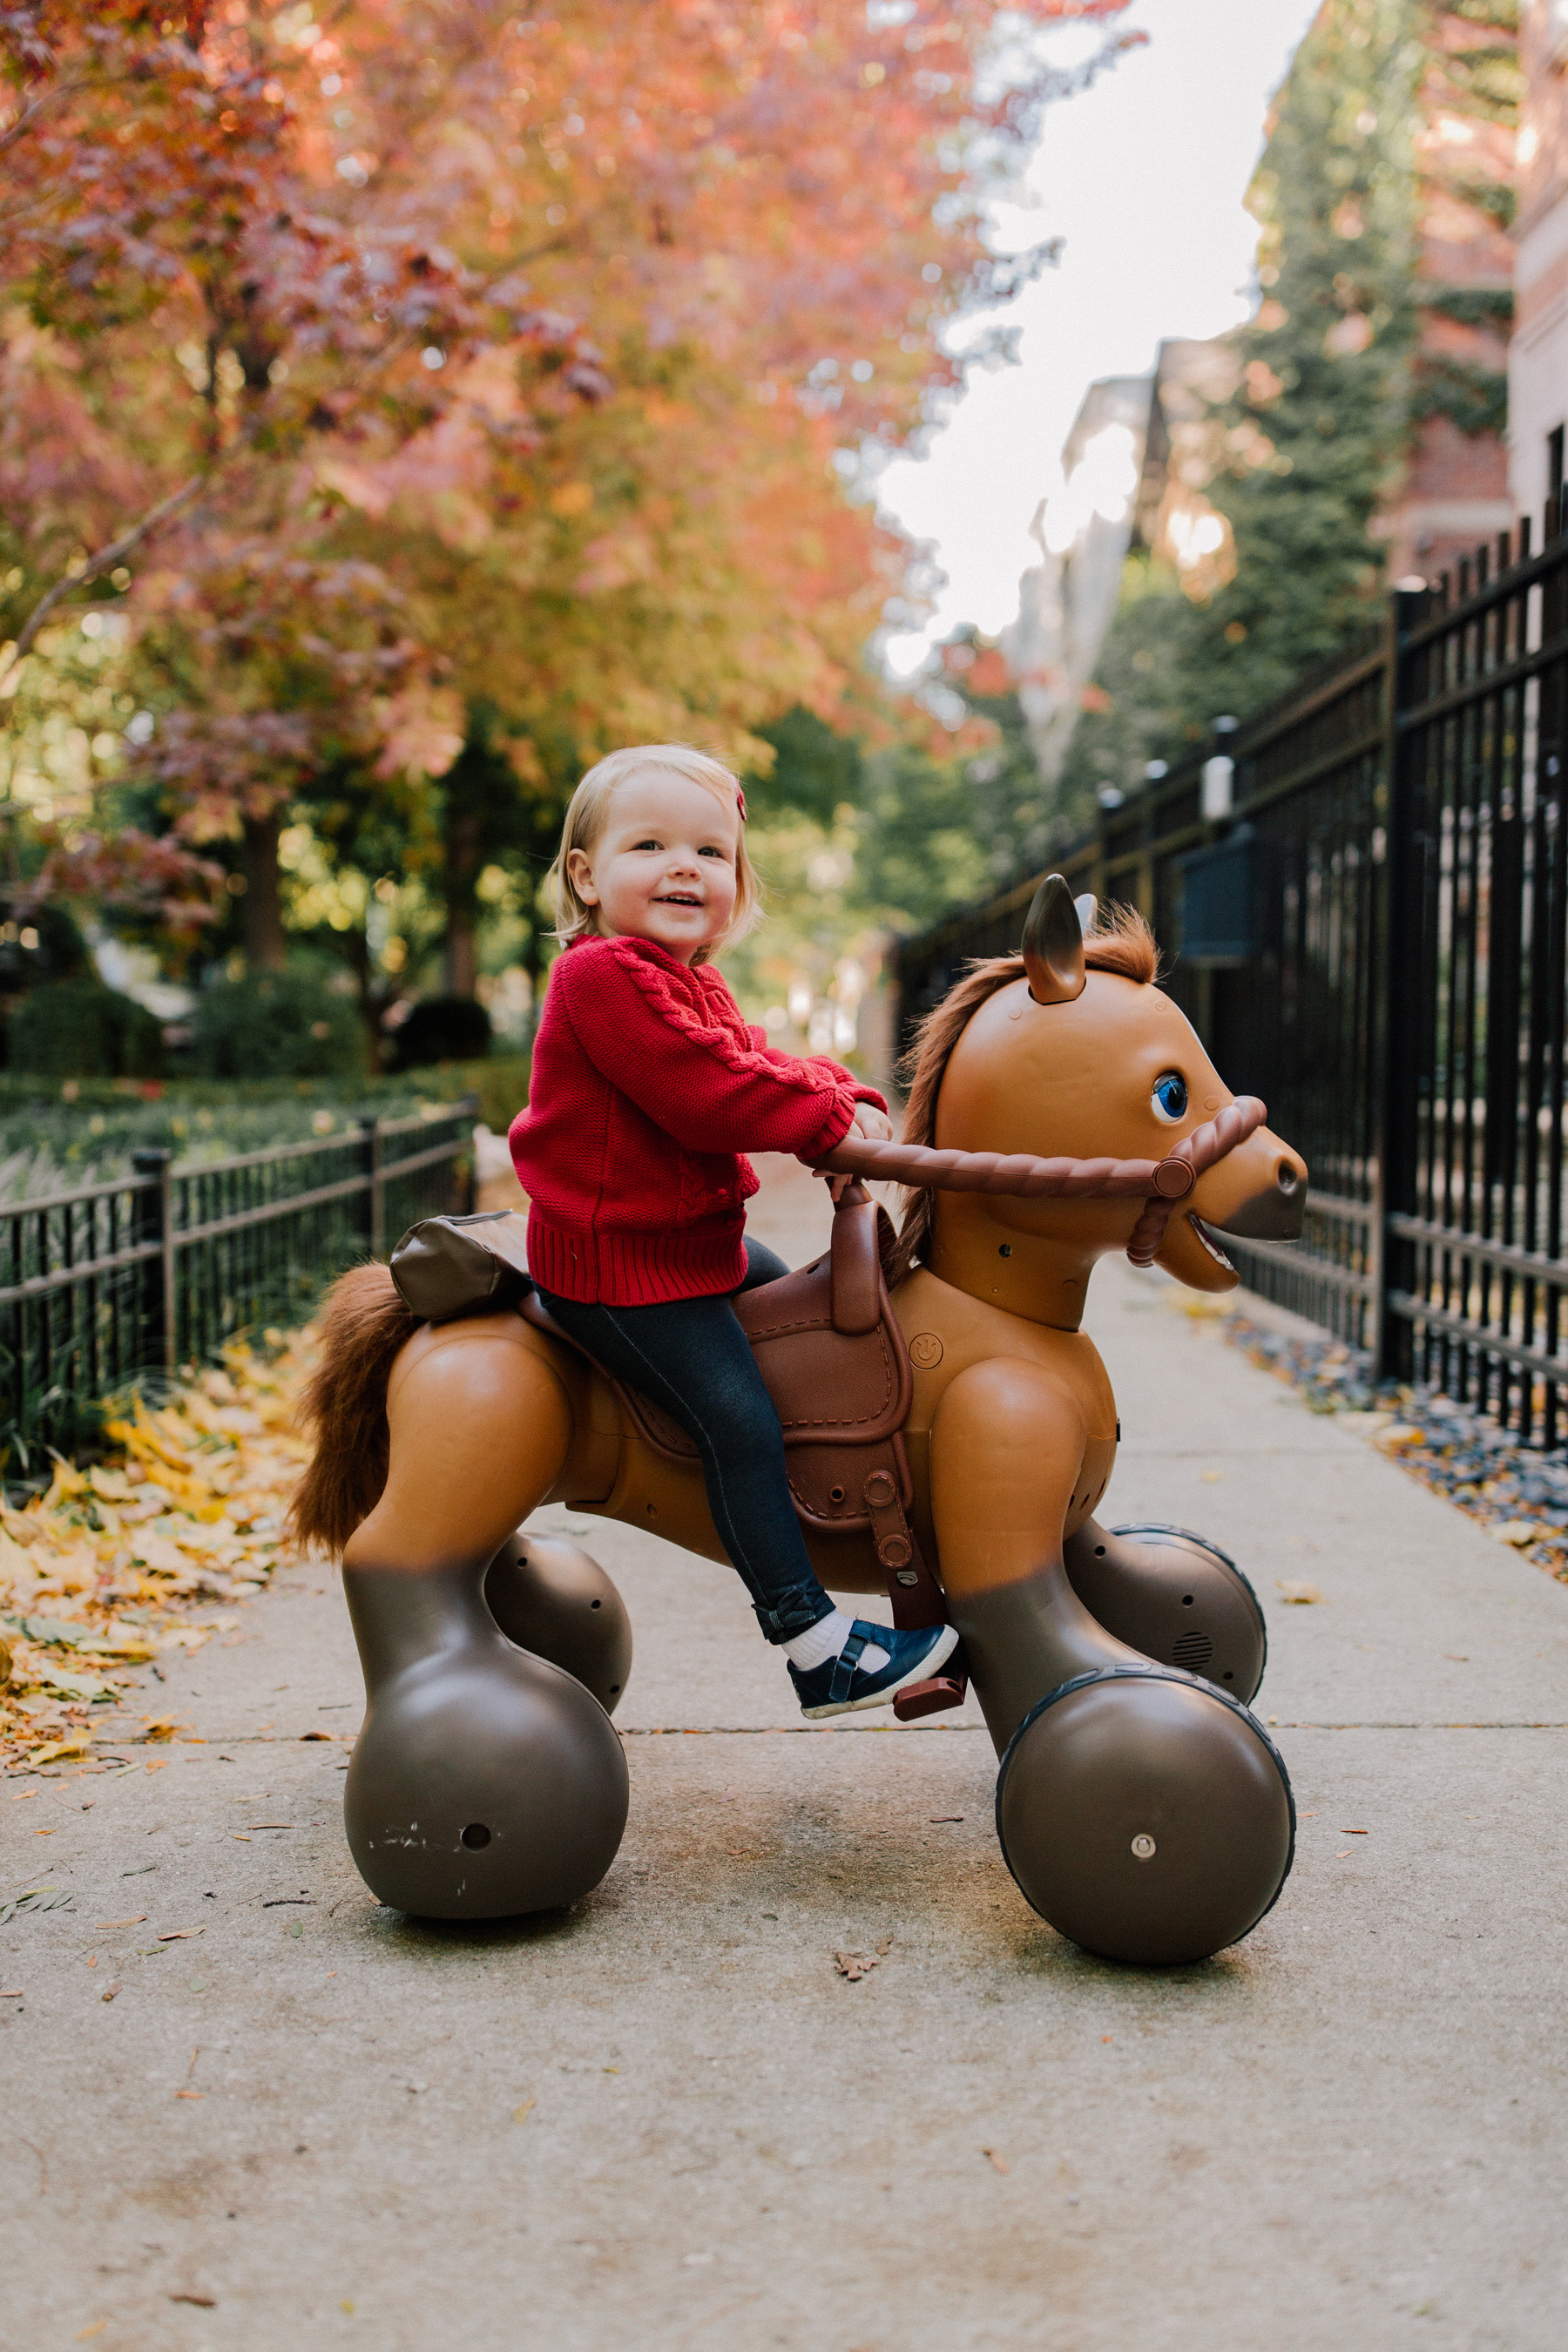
[(268, 279)]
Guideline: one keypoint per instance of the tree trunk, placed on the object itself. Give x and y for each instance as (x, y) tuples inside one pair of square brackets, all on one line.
[(264, 946), (461, 956), (462, 862)]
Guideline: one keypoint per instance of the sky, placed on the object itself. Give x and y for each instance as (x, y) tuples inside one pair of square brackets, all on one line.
[(1142, 176)]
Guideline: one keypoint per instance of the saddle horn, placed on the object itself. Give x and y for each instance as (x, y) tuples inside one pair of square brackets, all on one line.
[(1053, 944)]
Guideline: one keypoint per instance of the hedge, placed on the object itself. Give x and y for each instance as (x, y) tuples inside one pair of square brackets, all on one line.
[(59, 1136)]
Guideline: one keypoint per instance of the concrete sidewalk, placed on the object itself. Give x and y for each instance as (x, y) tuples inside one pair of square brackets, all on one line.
[(666, 2120)]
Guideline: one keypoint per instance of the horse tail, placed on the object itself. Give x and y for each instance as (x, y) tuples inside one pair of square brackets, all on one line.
[(366, 1325)]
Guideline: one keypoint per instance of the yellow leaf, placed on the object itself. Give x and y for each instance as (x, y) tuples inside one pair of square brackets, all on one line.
[(78, 1745)]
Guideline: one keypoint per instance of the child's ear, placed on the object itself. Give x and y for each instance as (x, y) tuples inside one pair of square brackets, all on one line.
[(580, 874)]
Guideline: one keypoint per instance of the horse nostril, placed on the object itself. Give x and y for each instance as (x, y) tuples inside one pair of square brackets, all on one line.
[(476, 1836), (1289, 1177)]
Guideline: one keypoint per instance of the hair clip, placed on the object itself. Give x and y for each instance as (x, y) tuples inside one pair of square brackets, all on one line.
[(740, 803)]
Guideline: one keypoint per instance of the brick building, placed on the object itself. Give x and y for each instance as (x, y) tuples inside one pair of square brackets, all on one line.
[(1538, 361)]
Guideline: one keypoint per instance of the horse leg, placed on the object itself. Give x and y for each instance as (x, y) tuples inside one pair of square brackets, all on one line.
[(485, 1781), (1140, 1811), (1175, 1597)]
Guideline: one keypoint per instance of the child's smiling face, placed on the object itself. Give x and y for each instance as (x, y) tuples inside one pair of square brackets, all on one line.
[(663, 868)]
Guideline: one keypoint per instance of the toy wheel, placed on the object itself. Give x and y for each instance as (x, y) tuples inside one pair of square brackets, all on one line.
[(551, 1597), (1182, 1601), (486, 1782), (1145, 1815)]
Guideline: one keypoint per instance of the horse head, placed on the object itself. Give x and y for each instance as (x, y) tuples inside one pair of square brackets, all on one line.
[(1069, 1050)]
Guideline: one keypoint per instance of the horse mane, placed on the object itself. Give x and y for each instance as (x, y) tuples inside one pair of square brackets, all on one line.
[(365, 1326), (1121, 942)]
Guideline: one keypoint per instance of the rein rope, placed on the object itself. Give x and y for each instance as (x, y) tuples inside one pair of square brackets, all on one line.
[(1160, 1183)]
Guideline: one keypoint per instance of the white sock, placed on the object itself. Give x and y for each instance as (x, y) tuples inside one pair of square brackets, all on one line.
[(825, 1640)]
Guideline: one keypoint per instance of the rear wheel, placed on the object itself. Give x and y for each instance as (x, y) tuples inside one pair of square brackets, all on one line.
[(1145, 1815)]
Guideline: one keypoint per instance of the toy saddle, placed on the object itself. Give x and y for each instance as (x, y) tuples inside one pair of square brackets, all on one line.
[(829, 1348)]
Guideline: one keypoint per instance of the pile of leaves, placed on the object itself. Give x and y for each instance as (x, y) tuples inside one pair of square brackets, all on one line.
[(1519, 1496), (113, 1564)]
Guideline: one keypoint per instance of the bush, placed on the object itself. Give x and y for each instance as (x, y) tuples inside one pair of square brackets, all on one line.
[(278, 1024), (56, 1135), (80, 1028), (443, 1029)]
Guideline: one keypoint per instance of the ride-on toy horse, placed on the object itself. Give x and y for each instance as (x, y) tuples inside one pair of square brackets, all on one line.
[(944, 1414)]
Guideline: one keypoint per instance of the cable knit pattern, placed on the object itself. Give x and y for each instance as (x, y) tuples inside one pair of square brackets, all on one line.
[(648, 1089)]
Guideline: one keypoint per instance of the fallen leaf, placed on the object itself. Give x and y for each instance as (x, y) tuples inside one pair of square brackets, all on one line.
[(13, 1996), (855, 1965), (187, 2094), (201, 2302), (110, 1991), (180, 1935), (315, 1735), (1300, 1596), (96, 2329), (104, 1925), (520, 2114), (1213, 1478), (1518, 1532), (946, 1817), (77, 1746), (1108, 2037), (998, 2163), (1356, 1834)]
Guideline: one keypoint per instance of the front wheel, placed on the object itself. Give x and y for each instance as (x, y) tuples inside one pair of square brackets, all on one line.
[(1176, 1597), (1146, 1815)]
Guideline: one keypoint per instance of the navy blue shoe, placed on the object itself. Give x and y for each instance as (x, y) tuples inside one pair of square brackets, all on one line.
[(841, 1686)]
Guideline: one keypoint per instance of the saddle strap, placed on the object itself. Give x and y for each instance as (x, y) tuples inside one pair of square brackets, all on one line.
[(911, 1588)]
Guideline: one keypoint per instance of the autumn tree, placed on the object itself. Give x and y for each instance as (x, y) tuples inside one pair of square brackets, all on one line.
[(302, 315)]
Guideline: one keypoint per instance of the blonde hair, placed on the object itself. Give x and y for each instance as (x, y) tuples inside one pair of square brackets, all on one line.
[(588, 810)]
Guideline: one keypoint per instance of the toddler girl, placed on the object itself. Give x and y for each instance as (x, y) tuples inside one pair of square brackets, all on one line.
[(647, 1087)]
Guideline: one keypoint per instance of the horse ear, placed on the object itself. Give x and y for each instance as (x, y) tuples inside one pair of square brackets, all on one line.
[(1053, 945), (1086, 909)]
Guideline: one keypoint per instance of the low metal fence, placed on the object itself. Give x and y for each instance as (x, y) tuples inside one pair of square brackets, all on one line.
[(125, 1282), (1362, 896)]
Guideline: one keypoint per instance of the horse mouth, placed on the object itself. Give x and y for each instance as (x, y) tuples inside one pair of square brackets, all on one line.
[(1209, 1242)]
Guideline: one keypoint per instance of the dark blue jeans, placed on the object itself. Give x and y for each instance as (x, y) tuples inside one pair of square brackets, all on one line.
[(691, 1356)]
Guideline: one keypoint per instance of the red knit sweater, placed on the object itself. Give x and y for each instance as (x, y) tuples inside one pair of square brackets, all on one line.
[(648, 1086)]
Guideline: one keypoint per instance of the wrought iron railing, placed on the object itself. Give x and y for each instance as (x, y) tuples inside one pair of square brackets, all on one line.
[(125, 1282), (1397, 851)]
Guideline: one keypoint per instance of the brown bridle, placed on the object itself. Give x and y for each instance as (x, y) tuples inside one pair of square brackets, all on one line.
[(1160, 1183)]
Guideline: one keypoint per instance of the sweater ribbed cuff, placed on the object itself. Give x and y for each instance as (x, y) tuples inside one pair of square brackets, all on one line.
[(610, 1269)]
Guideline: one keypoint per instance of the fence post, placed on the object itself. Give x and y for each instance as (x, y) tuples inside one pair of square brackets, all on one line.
[(373, 1225), (154, 1222), (1397, 984)]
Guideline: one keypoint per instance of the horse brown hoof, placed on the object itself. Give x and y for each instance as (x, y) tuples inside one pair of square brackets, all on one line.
[(1175, 1596), (485, 1781), (550, 1596), (1145, 1815)]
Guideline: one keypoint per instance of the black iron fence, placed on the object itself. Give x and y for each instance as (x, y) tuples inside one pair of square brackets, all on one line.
[(126, 1281), (1363, 894)]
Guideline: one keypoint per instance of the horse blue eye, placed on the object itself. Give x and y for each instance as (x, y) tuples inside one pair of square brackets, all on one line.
[(1170, 1097)]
